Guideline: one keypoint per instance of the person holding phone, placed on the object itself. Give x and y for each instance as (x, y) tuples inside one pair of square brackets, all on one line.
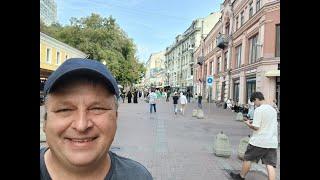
[(263, 143)]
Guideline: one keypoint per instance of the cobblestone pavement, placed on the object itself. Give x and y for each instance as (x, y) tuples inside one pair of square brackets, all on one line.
[(177, 147)]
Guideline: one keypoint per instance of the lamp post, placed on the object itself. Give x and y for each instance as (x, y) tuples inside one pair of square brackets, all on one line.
[(104, 62)]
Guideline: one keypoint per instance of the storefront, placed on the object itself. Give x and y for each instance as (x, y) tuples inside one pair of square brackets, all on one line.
[(250, 86)]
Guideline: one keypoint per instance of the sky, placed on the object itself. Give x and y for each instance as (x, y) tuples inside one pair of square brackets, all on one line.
[(152, 24)]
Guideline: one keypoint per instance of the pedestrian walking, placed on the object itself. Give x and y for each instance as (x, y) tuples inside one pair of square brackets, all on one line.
[(263, 143), (200, 101), (188, 95), (168, 96), (152, 101), (135, 96), (229, 104), (140, 94), (175, 98), (80, 124), (183, 103), (129, 95), (123, 96)]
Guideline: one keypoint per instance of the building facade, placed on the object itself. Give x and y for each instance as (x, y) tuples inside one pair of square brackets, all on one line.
[(155, 70), (179, 56), (246, 56), (48, 11), (53, 53)]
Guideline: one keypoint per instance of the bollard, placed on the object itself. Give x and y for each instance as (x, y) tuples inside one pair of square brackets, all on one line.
[(194, 113), (200, 114), (239, 116), (243, 147), (222, 146)]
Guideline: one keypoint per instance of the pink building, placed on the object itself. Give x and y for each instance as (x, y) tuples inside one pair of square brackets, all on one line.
[(242, 51)]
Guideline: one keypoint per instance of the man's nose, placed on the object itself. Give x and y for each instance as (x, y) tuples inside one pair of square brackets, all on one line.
[(82, 121)]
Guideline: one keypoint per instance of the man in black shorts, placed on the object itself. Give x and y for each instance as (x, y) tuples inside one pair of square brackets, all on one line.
[(263, 143)]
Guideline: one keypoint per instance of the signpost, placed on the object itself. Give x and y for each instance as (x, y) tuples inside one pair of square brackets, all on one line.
[(209, 84)]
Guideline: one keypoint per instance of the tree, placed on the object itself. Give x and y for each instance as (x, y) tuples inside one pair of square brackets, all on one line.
[(102, 39)]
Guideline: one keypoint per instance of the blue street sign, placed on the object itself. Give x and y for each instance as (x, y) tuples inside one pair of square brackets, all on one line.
[(209, 80)]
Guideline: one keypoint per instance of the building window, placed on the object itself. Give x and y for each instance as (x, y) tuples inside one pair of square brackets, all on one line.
[(257, 5), (225, 61), (251, 86), (191, 72), (253, 49), (278, 40), (237, 22), (210, 68), (241, 18), (58, 57), (67, 56), (227, 28), (48, 59), (250, 10), (238, 55)]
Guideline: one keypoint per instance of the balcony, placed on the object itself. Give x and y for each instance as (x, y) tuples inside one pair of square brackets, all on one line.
[(200, 60), (222, 41)]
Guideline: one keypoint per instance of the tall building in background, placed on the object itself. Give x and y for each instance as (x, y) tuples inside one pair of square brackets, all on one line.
[(179, 56), (48, 11), (155, 70)]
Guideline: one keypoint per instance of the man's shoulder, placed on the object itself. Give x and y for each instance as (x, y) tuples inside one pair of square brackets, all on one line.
[(130, 168)]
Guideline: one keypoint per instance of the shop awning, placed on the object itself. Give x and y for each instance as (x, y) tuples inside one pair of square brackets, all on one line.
[(272, 73)]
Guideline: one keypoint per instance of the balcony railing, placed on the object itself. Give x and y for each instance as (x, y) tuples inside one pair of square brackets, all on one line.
[(200, 60), (222, 40)]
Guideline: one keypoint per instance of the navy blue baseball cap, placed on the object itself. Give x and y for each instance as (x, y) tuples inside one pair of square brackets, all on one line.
[(75, 65)]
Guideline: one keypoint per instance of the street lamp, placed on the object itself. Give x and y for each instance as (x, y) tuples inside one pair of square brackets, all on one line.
[(104, 62)]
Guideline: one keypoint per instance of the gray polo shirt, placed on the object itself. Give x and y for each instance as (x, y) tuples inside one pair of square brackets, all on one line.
[(121, 168)]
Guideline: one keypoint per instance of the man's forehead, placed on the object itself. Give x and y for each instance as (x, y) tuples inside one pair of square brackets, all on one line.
[(80, 85)]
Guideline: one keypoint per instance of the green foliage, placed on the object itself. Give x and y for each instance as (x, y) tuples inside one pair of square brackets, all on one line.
[(102, 39)]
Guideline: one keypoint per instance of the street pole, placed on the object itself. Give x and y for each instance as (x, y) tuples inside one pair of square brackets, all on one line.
[(209, 99)]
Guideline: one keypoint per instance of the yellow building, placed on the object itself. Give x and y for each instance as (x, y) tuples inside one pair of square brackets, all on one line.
[(53, 53)]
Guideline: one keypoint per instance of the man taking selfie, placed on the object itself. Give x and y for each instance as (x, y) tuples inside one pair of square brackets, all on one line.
[(81, 112)]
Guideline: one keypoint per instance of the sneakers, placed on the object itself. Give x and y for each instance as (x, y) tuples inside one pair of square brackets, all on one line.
[(236, 176)]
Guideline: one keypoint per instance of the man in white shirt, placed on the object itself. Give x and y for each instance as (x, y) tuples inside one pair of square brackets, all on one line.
[(263, 143), (152, 101), (183, 102)]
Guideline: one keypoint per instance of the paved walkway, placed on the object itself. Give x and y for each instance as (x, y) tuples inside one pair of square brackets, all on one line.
[(174, 147)]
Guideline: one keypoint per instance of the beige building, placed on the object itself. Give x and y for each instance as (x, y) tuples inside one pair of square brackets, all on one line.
[(155, 70), (52, 54), (179, 56), (246, 54)]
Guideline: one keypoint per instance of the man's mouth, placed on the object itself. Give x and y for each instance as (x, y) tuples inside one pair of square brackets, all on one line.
[(82, 140)]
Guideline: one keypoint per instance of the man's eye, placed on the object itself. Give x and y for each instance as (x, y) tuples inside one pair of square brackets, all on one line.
[(98, 108), (63, 110)]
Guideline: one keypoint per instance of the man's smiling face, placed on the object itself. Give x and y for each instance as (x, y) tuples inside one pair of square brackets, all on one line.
[(80, 124)]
